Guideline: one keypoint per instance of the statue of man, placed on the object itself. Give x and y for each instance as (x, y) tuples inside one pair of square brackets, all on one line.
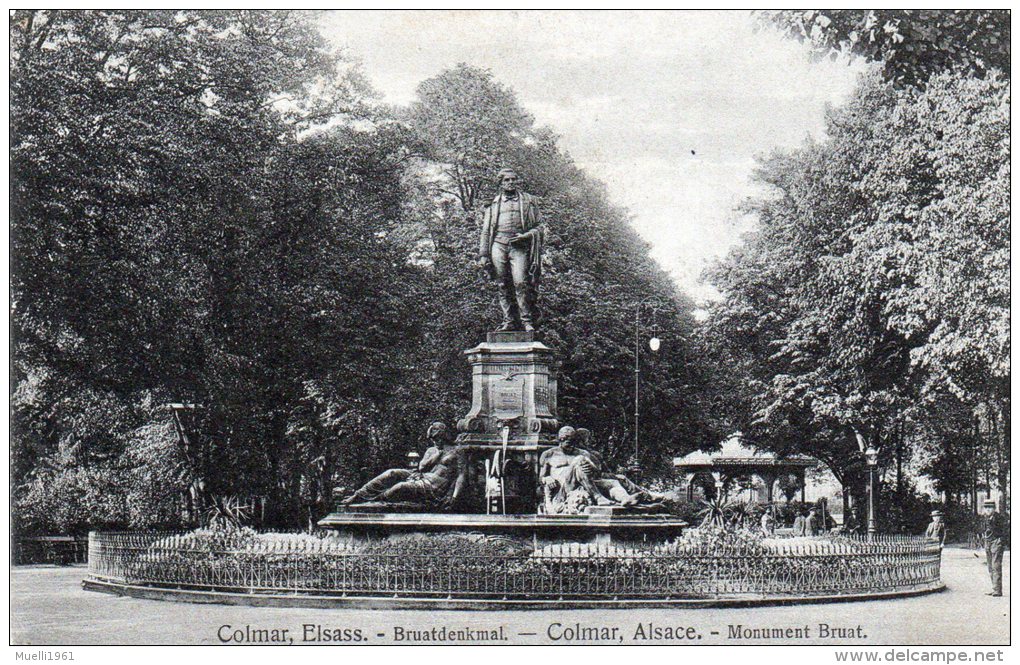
[(567, 468), (438, 481), (510, 251)]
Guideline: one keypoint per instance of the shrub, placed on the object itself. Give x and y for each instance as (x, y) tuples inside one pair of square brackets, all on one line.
[(688, 511), (786, 513), (210, 539), (73, 500), (713, 537), (447, 544), (904, 512)]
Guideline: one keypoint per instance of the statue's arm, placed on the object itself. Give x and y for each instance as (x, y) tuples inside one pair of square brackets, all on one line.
[(484, 250), (537, 229), (539, 221), (429, 459), (543, 464), (459, 484), (588, 461)]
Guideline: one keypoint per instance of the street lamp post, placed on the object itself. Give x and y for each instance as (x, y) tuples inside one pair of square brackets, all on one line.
[(653, 344), (872, 456)]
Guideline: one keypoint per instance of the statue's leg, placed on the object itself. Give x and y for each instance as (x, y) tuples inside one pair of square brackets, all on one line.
[(642, 493), (578, 477), (374, 488), (504, 277), (522, 287), (616, 491), (408, 490)]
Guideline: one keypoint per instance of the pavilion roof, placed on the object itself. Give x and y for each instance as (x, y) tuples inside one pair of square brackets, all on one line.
[(734, 452)]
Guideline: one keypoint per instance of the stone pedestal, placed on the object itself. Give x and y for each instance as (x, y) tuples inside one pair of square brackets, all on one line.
[(513, 385), (513, 409)]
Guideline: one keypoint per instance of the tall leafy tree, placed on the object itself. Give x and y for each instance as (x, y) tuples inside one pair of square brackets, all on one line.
[(176, 240), (868, 256), (910, 44), (469, 122)]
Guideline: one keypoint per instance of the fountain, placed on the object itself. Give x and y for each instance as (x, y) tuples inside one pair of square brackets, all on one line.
[(500, 443)]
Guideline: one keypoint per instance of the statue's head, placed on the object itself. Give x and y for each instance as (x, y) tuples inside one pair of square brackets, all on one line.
[(566, 435), (582, 436), (508, 180), (437, 430)]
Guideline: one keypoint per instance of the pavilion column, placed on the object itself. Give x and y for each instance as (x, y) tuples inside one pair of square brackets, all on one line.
[(803, 485), (689, 479)]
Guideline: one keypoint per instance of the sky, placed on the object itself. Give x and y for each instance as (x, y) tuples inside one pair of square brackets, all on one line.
[(669, 109)]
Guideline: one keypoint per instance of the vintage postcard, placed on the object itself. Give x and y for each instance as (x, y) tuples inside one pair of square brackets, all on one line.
[(506, 328)]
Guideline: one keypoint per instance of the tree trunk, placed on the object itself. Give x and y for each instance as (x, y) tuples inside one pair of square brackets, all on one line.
[(899, 461), (846, 503), (974, 463), (1003, 458)]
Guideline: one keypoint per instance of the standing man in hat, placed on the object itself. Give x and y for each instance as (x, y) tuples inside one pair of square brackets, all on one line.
[(510, 251), (800, 523), (811, 523), (937, 529), (996, 533)]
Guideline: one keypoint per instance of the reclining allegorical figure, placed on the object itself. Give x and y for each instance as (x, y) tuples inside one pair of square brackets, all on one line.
[(571, 478), (437, 483)]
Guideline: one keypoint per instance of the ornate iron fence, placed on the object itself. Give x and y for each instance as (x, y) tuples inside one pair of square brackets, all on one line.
[(330, 567)]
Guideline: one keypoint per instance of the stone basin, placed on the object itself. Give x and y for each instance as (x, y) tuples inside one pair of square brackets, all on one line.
[(600, 525)]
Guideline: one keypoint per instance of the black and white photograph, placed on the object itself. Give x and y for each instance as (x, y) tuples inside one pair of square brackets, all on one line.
[(507, 328)]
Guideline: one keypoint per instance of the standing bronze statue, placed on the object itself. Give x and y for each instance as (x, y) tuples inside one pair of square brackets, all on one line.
[(510, 251)]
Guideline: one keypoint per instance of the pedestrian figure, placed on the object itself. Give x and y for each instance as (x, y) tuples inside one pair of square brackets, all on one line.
[(811, 523), (800, 524), (996, 533), (937, 529)]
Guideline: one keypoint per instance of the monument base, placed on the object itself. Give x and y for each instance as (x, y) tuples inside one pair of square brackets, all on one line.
[(600, 526)]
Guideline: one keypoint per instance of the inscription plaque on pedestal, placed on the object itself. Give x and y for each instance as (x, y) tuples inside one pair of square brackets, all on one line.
[(508, 399)]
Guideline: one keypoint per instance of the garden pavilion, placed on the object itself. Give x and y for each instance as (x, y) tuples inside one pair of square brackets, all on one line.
[(738, 461)]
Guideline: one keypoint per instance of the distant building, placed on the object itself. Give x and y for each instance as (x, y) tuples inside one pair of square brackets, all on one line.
[(740, 471)]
